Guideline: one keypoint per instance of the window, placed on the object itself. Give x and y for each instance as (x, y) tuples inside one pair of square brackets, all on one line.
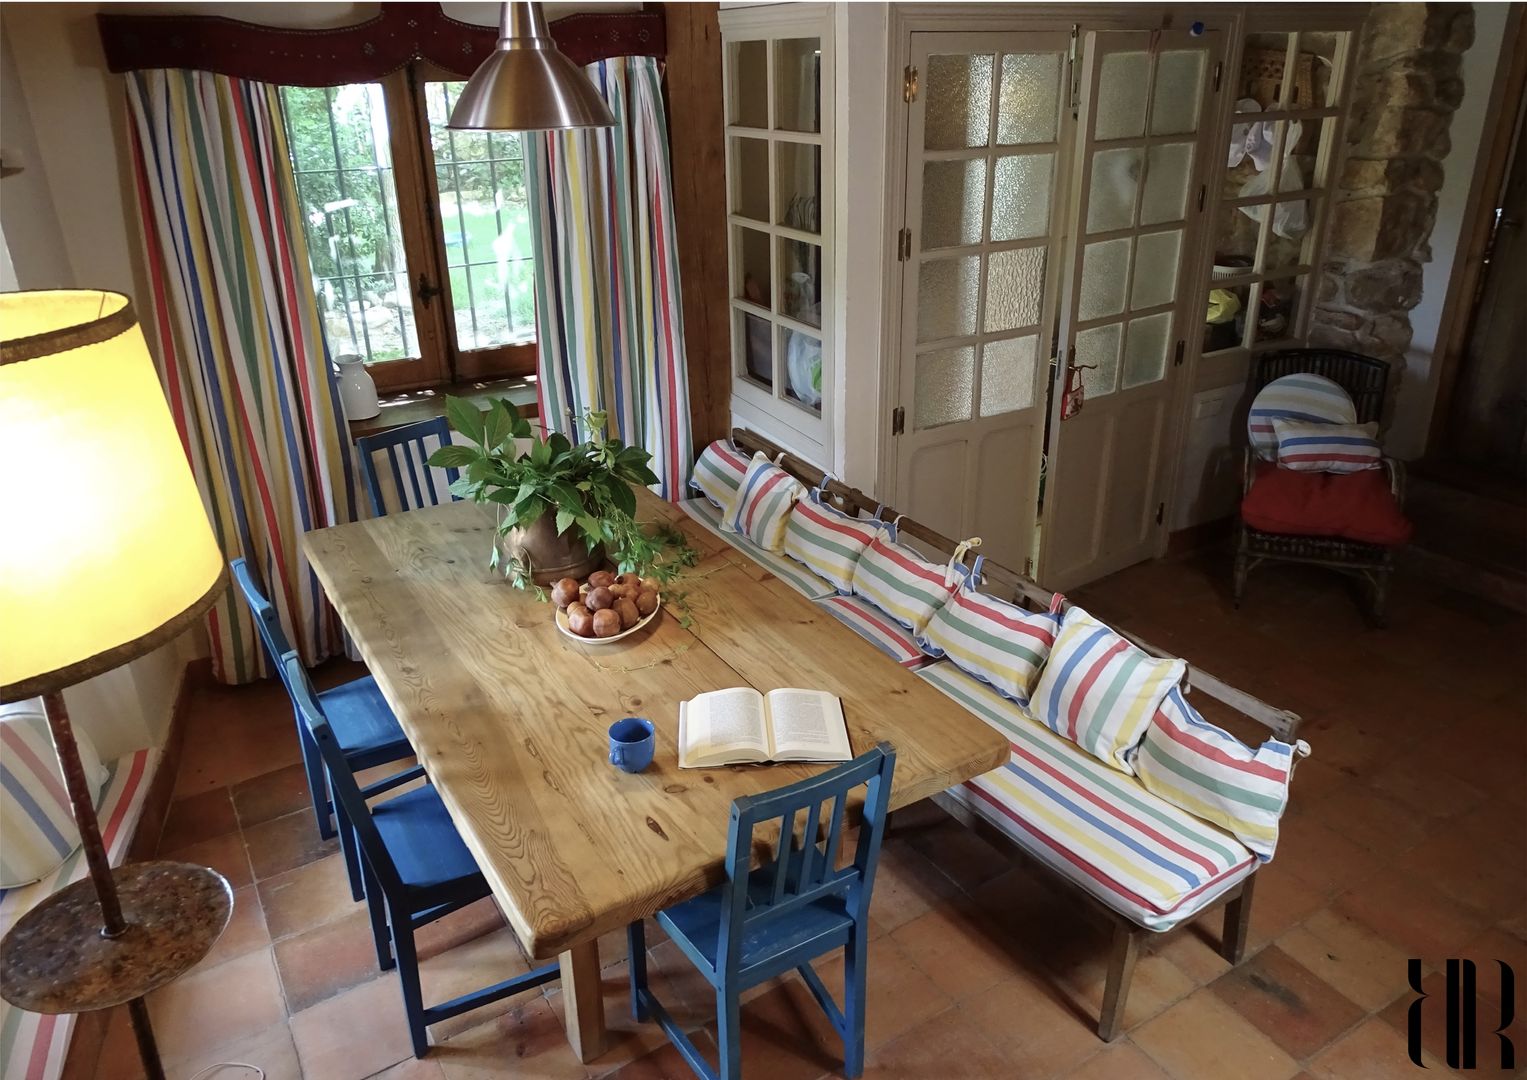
[(779, 201), (1274, 195), (419, 236)]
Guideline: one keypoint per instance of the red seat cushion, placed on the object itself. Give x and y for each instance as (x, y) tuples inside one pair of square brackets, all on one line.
[(1354, 506)]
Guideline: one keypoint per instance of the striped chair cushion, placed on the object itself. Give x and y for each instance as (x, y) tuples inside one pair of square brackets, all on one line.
[(1100, 691), (901, 582), (792, 573), (879, 629), (37, 830), (1338, 448), (997, 642), (1312, 398), (1210, 773), (761, 507), (1137, 853), (719, 472), (828, 540)]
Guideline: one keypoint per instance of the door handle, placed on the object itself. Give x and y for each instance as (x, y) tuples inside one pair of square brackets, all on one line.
[(426, 290)]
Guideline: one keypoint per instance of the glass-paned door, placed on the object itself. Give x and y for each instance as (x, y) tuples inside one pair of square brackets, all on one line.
[(1136, 216), (984, 171)]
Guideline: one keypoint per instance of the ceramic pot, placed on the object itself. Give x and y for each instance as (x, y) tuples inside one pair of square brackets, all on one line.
[(357, 391), (551, 557)]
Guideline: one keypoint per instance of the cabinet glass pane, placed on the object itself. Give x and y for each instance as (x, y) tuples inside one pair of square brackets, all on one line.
[(1014, 289), (1262, 63), (1278, 309), (754, 337), (1111, 194), (1007, 374), (1168, 170), (1323, 47), (1029, 99), (798, 84), (1235, 243), (1120, 105), (1155, 274), (953, 196), (1105, 267), (801, 360), (1299, 170), (750, 249), (749, 105), (1097, 355), (800, 278), (948, 294), (1145, 346), (1179, 88), (1223, 321), (750, 178), (945, 380), (799, 185), (958, 112), (1021, 196)]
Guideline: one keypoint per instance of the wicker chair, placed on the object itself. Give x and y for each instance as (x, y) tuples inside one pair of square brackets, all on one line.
[(1364, 378)]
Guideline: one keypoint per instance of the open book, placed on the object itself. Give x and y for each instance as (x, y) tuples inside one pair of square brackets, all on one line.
[(729, 727)]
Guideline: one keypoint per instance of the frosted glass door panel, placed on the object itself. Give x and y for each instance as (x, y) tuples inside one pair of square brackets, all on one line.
[(1105, 273), (1015, 282), (1114, 188), (945, 378), (1155, 273), (1021, 196), (1145, 348), (1179, 88), (1007, 374), (1029, 98), (954, 202), (1168, 175), (949, 298), (1121, 97), (959, 102)]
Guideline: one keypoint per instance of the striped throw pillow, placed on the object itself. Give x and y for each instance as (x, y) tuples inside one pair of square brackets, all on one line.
[(37, 830), (1338, 448), (761, 507), (828, 540), (719, 472), (997, 642), (1311, 398), (900, 582), (1211, 774), (1100, 691)]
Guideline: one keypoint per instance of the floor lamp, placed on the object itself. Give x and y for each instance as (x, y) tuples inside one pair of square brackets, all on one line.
[(106, 554)]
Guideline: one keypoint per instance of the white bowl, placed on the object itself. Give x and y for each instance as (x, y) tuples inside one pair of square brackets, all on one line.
[(643, 621)]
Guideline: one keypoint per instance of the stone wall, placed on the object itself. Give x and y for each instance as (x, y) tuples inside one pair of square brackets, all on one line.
[(1407, 88)]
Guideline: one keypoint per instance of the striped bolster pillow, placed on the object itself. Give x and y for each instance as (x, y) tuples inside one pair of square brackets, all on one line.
[(37, 830), (828, 540), (1100, 691), (719, 472), (1314, 399), (1337, 448), (900, 582), (1211, 774), (997, 642), (761, 507)]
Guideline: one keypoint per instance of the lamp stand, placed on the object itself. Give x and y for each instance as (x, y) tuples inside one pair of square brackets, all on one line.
[(111, 940)]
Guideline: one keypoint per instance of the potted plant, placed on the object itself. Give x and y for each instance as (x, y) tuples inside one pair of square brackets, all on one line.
[(563, 507)]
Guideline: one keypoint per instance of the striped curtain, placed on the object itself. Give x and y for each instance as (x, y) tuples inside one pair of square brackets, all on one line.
[(609, 328), (241, 348)]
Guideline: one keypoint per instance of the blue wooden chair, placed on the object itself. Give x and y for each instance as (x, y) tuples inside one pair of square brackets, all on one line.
[(417, 870), (797, 907), (403, 455), (361, 719)]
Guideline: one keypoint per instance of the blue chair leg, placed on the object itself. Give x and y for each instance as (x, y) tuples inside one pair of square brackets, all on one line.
[(855, 980), (351, 851), (408, 977), (636, 948), (318, 780), (377, 908), (729, 1034)]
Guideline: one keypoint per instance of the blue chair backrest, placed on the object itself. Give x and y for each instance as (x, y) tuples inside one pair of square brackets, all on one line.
[(394, 465), (267, 622), (797, 876)]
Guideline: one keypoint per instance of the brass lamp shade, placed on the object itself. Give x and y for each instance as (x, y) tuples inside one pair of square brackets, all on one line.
[(106, 552), (527, 84)]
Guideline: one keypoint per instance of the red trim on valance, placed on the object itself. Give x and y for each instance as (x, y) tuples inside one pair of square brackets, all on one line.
[(365, 52)]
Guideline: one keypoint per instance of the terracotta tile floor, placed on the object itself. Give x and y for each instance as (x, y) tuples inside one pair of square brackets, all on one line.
[(1405, 838)]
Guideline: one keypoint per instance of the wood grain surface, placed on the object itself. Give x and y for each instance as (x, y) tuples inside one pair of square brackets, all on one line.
[(509, 717)]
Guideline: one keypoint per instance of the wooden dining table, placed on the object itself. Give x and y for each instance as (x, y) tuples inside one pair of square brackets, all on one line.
[(509, 716)]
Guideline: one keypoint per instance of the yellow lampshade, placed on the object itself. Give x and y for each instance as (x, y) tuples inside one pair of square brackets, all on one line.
[(105, 550)]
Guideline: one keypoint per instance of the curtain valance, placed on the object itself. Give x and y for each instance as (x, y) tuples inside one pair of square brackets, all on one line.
[(365, 52)]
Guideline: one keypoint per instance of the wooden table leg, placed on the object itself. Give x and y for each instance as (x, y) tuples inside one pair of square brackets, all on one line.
[(583, 998)]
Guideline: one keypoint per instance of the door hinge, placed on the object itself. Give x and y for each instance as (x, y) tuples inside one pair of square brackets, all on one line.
[(1177, 357), (1076, 74), (1028, 567), (904, 245), (1219, 73), (909, 84), (1203, 195), (1160, 512), (898, 420)]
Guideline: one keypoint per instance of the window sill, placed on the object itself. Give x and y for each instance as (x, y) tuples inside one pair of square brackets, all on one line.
[(414, 405)]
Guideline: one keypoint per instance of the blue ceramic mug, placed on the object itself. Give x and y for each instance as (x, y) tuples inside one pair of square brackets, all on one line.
[(632, 744)]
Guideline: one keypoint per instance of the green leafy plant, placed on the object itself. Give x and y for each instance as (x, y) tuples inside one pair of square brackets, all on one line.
[(589, 487)]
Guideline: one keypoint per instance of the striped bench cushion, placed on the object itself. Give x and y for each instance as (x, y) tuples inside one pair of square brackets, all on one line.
[(996, 641), (32, 1046), (719, 472), (881, 631), (762, 504), (1337, 448), (901, 582), (37, 830), (1095, 826), (798, 577), (828, 540), (1314, 399)]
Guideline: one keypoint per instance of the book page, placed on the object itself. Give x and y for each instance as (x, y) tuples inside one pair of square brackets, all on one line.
[(724, 726), (808, 726)]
